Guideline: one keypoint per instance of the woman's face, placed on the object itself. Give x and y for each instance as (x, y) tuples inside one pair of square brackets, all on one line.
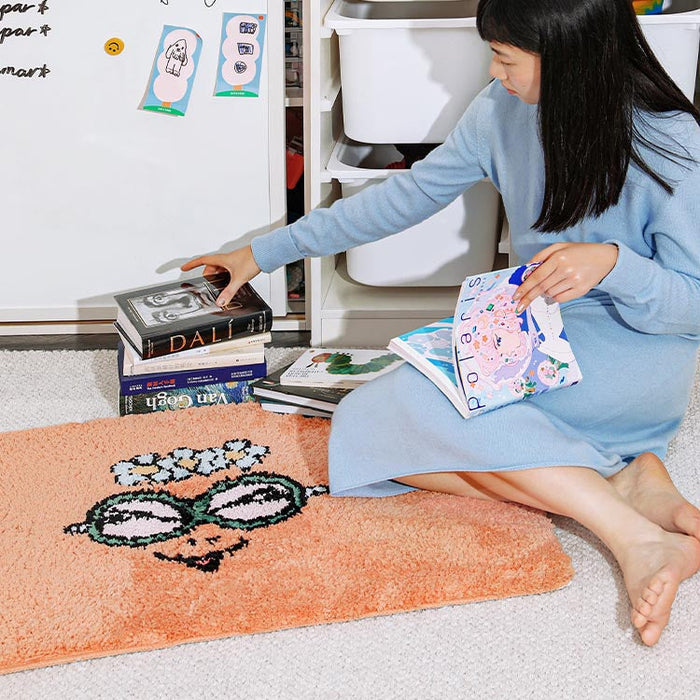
[(518, 71)]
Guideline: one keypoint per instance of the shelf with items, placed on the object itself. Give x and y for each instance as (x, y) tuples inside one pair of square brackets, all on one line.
[(295, 204), (358, 314), (295, 207), (294, 158), (343, 310), (293, 52)]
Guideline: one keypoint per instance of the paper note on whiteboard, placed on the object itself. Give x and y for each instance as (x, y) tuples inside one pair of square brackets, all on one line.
[(173, 71), (242, 39)]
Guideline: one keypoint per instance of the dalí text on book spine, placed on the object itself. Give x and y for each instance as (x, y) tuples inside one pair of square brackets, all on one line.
[(215, 333)]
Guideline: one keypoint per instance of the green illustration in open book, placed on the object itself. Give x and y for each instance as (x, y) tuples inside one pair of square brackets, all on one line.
[(488, 355), (334, 367)]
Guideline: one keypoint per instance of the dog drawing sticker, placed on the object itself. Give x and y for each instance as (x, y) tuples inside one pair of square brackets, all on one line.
[(201, 530), (176, 56), (242, 39), (172, 75)]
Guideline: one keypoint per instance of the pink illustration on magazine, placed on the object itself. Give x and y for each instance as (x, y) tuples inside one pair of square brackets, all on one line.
[(504, 355)]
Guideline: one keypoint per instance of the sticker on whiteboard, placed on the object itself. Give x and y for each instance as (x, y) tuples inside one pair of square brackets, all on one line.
[(173, 71), (242, 39)]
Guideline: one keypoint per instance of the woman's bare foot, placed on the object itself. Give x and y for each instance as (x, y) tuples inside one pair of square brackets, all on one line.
[(646, 485), (653, 570)]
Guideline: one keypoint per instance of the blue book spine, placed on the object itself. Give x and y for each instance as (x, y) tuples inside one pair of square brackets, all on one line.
[(162, 381), (191, 397)]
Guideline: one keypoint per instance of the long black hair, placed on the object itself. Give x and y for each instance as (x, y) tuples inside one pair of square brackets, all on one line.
[(598, 75)]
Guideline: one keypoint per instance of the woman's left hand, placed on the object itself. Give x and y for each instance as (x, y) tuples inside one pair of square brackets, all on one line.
[(566, 271)]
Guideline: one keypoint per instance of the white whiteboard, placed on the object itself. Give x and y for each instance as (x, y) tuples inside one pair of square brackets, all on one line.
[(98, 196)]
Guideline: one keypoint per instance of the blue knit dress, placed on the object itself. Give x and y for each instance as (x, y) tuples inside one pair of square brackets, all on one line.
[(636, 335)]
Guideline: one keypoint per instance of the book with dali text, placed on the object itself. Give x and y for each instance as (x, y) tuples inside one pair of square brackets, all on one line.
[(182, 315), (488, 355)]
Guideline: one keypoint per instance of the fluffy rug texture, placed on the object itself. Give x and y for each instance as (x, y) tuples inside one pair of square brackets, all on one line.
[(575, 642), (150, 530)]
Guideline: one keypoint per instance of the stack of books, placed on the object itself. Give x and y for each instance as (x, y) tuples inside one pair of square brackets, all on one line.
[(178, 349), (314, 384)]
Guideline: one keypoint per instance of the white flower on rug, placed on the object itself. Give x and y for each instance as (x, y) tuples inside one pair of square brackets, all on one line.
[(184, 462), (140, 469)]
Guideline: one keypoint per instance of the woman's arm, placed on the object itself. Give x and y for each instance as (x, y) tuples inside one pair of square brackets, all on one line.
[(661, 294), (399, 202), (657, 293)]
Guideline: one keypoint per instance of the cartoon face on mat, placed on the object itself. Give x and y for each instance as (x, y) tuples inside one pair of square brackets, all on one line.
[(198, 532)]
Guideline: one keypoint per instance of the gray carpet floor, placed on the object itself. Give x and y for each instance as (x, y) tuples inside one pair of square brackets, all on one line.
[(572, 643)]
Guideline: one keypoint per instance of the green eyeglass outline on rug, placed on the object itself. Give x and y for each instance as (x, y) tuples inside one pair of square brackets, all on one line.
[(257, 499)]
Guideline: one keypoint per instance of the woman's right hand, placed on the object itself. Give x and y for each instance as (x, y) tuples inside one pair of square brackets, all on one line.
[(240, 264)]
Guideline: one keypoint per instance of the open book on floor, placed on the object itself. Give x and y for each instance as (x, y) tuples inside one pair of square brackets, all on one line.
[(488, 355), (345, 368)]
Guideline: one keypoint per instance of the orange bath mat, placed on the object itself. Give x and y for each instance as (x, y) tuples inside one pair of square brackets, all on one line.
[(125, 534)]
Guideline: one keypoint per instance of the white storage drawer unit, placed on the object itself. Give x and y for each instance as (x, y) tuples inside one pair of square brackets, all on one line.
[(409, 69), (458, 241), (674, 37)]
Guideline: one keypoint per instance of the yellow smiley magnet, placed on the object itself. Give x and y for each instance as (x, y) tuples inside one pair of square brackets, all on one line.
[(114, 46)]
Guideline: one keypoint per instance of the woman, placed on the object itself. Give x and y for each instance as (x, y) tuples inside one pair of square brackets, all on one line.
[(595, 152)]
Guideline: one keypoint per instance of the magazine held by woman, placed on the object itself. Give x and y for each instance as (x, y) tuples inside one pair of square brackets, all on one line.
[(489, 355)]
